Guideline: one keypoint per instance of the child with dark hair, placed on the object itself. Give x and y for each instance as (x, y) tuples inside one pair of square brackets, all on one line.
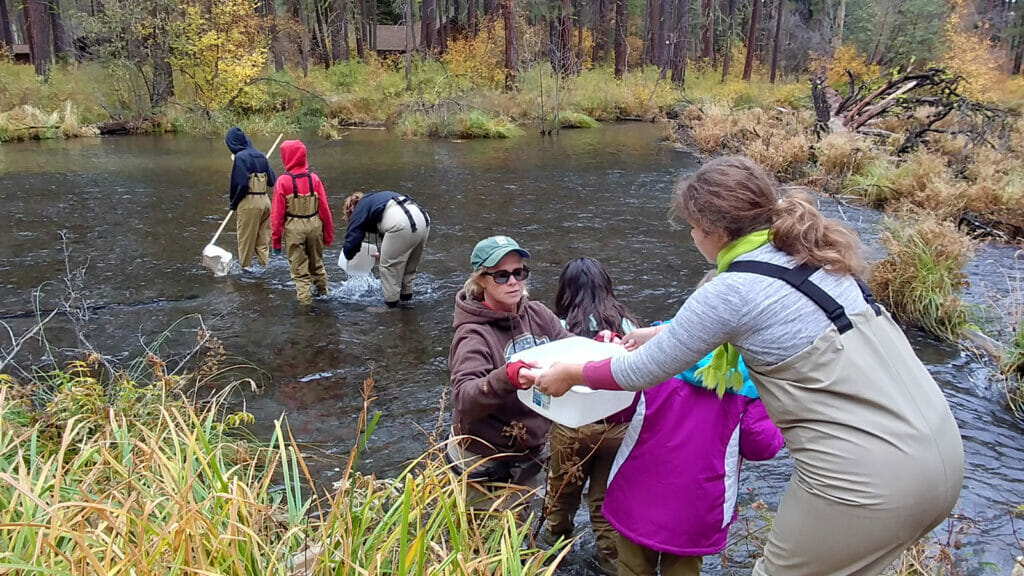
[(586, 303)]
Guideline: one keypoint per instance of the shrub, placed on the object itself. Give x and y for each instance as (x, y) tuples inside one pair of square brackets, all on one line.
[(846, 58), (576, 120), (922, 277), (921, 183), (481, 60), (1012, 366), (780, 151), (971, 56), (839, 155)]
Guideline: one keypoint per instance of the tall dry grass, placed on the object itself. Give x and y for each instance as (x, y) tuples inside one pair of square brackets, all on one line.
[(922, 276), (105, 475)]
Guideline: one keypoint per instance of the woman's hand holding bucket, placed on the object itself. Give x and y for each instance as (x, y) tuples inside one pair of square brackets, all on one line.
[(555, 380)]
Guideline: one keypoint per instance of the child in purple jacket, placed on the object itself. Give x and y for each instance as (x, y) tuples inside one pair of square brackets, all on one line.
[(673, 485)]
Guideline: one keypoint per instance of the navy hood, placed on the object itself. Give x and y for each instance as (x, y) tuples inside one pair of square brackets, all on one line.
[(237, 140)]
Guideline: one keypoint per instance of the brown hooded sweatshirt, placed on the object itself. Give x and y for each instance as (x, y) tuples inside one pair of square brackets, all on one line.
[(484, 403)]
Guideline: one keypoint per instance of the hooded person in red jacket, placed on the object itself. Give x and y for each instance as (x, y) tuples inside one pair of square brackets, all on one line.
[(301, 215)]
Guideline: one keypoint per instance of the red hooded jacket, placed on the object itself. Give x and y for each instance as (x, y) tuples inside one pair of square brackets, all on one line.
[(293, 154)]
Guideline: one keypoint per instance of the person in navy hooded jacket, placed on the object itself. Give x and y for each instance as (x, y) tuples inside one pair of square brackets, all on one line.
[(251, 178)]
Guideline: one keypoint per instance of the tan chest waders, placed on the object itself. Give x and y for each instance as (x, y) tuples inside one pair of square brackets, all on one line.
[(253, 223), (878, 457), (304, 238), (405, 227)]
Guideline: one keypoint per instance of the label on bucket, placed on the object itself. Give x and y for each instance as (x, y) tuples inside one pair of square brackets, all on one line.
[(541, 399)]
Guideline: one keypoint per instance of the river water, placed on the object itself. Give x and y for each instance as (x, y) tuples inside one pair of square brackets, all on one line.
[(138, 211)]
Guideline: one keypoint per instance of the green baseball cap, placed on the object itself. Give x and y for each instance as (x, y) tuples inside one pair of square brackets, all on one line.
[(490, 251)]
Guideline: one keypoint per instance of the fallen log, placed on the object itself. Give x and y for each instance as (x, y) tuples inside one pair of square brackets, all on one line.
[(123, 127)]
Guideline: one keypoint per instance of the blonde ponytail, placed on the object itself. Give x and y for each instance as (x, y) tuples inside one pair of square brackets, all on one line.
[(799, 229)]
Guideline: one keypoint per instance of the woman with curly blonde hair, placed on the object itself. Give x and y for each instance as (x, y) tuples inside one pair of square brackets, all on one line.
[(878, 457)]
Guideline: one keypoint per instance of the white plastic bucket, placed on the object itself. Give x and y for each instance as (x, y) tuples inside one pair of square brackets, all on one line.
[(362, 263), (580, 405), (217, 259)]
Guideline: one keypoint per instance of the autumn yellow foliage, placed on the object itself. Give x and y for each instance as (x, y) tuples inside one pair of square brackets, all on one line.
[(480, 59), (970, 56), (221, 49), (846, 57)]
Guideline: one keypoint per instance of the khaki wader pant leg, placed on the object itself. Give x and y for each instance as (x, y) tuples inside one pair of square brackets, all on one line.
[(263, 234), (878, 455), (253, 227), (814, 536), (636, 560), (305, 249), (576, 455), (400, 250)]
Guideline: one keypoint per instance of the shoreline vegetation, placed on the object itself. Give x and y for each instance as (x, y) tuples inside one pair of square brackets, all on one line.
[(146, 469)]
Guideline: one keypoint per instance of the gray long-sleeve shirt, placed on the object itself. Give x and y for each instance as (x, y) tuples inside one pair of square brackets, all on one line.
[(768, 320)]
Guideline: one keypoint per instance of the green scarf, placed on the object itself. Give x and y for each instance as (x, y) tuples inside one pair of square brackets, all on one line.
[(722, 372)]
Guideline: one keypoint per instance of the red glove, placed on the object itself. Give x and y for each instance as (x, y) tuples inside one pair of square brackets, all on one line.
[(512, 369)]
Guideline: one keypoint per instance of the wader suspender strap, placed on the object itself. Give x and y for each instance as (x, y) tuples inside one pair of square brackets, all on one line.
[(250, 192), (402, 201), (799, 278), (295, 194)]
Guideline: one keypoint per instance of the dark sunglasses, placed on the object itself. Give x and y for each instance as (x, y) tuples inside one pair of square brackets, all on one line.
[(502, 276)]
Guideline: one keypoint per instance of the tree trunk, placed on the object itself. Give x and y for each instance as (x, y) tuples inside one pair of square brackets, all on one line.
[(361, 40), (61, 47), (6, 34), (599, 27), (445, 27), (755, 15), (294, 8), (645, 55), (682, 43), (837, 39), (268, 9), (37, 34), (727, 57), (410, 43), (339, 29), (428, 25), (775, 43), (471, 18), (578, 17), (508, 9), (707, 34), (621, 16), (457, 23), (1018, 54), (654, 52), (373, 25), (565, 59), (163, 75), (665, 50), (491, 8), (321, 43)]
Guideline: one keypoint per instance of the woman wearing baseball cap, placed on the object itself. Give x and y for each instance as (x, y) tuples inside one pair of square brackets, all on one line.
[(497, 441)]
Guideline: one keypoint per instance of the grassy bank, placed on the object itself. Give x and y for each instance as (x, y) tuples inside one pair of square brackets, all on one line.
[(112, 472), (464, 87)]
